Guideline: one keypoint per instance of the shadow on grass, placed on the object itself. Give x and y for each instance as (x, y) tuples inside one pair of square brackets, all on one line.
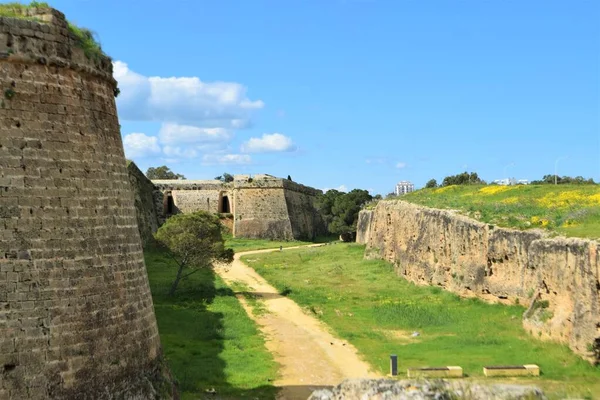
[(213, 348), (206, 337)]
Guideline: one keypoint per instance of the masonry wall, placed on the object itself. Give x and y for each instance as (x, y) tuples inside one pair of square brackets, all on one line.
[(143, 191), (261, 212), (76, 314), (438, 247), (264, 207)]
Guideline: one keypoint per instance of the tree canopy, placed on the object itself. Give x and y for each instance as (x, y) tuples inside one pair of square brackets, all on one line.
[(464, 178), (578, 180), (224, 178), (195, 241), (340, 210), (432, 183), (162, 172)]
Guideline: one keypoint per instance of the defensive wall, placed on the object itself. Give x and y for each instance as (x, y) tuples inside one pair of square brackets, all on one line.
[(262, 206), (76, 314), (558, 278)]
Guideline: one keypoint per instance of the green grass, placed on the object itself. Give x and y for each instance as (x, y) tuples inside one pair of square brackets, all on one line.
[(364, 302), (241, 244), (18, 10), (208, 339), (84, 37), (570, 210)]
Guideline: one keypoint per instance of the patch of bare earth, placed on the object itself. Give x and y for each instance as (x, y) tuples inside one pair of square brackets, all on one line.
[(310, 357)]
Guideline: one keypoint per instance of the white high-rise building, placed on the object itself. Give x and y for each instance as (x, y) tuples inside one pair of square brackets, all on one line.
[(404, 187)]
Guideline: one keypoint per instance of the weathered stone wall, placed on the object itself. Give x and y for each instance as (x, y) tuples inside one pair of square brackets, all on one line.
[(263, 207), (76, 314), (261, 212), (439, 247), (273, 208), (143, 191)]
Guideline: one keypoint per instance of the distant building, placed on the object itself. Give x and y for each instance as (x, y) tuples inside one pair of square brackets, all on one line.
[(404, 187), (511, 181)]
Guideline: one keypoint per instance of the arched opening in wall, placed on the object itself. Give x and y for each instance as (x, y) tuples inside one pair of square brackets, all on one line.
[(168, 204), (225, 207)]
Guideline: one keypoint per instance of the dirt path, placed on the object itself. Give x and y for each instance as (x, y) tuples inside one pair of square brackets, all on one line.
[(310, 356)]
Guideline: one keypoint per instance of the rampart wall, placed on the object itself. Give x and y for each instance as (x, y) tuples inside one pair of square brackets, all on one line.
[(76, 314), (263, 207), (143, 191), (439, 247)]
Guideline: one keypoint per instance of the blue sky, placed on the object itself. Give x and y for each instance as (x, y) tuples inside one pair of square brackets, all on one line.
[(355, 93)]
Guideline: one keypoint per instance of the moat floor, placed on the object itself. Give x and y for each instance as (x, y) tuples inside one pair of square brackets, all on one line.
[(309, 355)]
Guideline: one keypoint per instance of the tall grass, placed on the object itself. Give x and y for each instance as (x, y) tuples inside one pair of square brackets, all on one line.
[(365, 302)]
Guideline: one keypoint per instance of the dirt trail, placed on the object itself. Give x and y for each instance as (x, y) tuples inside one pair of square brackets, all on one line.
[(310, 356)]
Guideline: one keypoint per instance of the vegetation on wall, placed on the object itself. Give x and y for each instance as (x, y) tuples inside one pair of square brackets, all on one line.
[(85, 38), (162, 172), (224, 178)]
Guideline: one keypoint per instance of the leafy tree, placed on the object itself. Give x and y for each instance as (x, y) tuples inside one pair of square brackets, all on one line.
[(225, 177), (340, 210), (195, 241), (324, 204), (432, 183), (549, 179), (345, 211), (162, 172), (463, 179)]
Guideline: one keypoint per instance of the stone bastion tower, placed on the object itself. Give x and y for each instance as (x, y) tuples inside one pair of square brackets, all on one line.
[(76, 315)]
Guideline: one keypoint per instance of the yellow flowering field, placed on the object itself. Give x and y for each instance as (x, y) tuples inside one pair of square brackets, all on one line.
[(571, 210)]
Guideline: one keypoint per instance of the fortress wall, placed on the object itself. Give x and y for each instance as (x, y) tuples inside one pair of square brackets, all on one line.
[(438, 247), (261, 213), (76, 314), (197, 200), (143, 191), (305, 219)]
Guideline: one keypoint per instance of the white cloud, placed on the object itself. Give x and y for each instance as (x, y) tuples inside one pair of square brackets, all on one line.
[(179, 152), (401, 165), (341, 188), (171, 133), (275, 142), (226, 159), (182, 99), (138, 145)]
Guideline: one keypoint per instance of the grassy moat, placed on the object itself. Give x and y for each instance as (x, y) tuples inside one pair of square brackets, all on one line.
[(364, 302), (211, 344), (570, 210)]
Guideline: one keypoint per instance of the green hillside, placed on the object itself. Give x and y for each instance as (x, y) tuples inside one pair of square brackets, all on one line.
[(570, 210)]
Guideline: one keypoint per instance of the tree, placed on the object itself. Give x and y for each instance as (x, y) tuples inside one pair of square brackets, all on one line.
[(463, 179), (432, 183), (194, 241), (345, 211), (162, 172), (225, 177), (340, 210), (549, 179)]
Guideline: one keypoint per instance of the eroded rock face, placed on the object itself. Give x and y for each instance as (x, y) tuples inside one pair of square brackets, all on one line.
[(384, 389), (439, 247)]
